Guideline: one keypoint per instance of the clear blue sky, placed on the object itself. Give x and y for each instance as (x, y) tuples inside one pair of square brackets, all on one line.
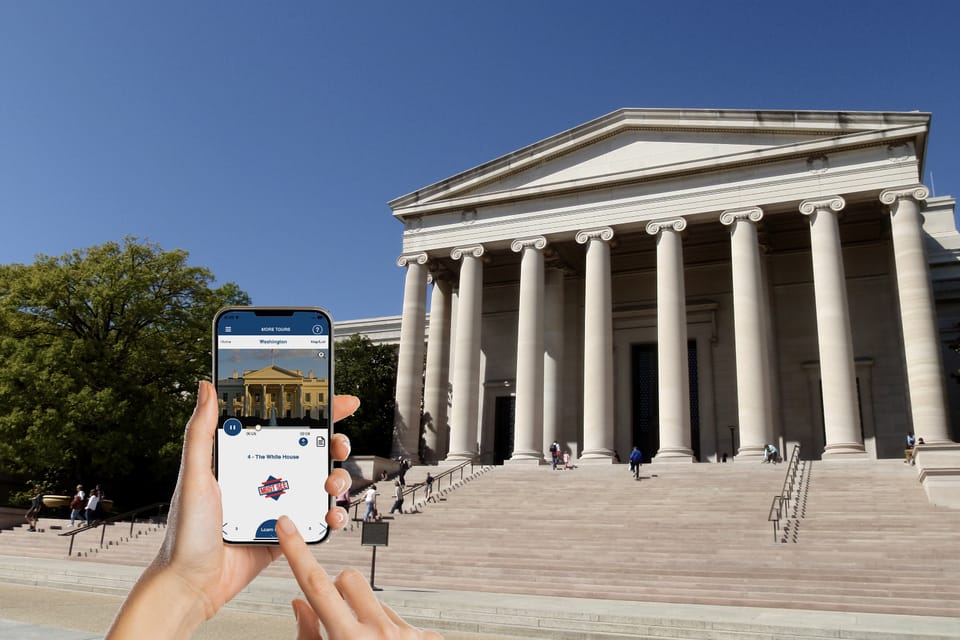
[(266, 138)]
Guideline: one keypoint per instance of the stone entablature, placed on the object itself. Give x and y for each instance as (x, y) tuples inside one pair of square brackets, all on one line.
[(830, 160)]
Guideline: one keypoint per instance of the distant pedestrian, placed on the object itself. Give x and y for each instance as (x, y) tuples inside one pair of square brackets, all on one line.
[(566, 461), (429, 483), (370, 498), (33, 513), (78, 505), (93, 505), (770, 454), (636, 460), (913, 452), (402, 475), (397, 498), (100, 511), (555, 454)]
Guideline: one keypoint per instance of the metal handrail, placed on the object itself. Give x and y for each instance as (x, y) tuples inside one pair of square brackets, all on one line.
[(781, 501), (437, 479), (775, 514), (103, 530), (786, 492)]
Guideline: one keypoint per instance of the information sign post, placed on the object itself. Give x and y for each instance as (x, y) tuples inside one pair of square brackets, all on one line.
[(374, 534)]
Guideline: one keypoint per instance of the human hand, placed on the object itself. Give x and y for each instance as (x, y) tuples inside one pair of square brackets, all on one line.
[(345, 607), (194, 572)]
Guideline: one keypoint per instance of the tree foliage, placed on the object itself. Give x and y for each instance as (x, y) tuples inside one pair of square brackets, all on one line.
[(368, 371), (100, 354)]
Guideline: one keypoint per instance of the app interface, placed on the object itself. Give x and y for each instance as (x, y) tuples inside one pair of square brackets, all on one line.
[(273, 386)]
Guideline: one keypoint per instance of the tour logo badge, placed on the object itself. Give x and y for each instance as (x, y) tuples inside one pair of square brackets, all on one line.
[(273, 487)]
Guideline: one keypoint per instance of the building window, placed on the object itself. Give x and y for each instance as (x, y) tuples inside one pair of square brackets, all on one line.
[(306, 397)]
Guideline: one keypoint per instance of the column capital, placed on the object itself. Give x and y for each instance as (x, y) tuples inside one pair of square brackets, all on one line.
[(918, 192), (601, 233), (671, 224), (410, 258), (473, 251), (753, 214), (832, 203), (535, 242)]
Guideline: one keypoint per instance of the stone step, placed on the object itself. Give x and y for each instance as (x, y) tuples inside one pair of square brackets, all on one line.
[(699, 532)]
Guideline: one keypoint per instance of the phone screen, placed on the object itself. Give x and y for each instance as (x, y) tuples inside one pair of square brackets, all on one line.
[(273, 373)]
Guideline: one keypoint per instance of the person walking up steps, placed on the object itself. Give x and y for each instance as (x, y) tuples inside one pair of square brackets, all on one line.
[(397, 498), (636, 459)]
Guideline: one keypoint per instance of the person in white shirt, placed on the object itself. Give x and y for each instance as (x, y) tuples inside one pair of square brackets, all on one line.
[(371, 499), (92, 506)]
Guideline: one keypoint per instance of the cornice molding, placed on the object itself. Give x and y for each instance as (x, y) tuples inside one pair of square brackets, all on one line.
[(753, 214), (830, 203), (671, 224)]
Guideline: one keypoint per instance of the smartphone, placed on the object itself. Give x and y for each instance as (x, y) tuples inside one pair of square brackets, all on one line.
[(273, 371)]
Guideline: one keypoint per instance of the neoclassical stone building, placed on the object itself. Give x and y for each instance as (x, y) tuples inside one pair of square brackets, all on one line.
[(694, 282)]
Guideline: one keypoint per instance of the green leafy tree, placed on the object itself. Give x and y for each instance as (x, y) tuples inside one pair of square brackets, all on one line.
[(100, 354), (368, 371)]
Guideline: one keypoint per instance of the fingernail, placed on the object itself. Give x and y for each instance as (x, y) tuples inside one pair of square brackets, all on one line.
[(286, 525), (296, 615), (201, 392), (342, 517)]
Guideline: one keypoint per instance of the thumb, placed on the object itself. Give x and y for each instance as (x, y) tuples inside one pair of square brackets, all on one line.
[(308, 626)]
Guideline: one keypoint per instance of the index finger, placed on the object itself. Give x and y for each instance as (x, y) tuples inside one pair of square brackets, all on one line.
[(321, 593)]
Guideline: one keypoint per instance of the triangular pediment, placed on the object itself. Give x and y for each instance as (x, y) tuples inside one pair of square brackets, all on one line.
[(271, 373), (649, 144), (636, 149)]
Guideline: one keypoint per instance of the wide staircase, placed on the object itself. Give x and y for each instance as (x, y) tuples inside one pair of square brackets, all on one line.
[(863, 538)]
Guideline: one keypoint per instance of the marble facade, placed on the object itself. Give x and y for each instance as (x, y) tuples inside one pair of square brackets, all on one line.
[(695, 282)]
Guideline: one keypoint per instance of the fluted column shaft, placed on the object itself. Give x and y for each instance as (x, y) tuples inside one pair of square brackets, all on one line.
[(838, 375), (552, 357), (921, 343), (466, 355), (406, 420), (528, 421), (753, 409), (597, 348), (672, 368), (436, 392)]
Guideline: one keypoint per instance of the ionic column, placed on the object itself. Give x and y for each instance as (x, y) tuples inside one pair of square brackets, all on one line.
[(528, 421), (552, 356), (672, 368), (597, 347), (466, 357), (753, 408), (436, 394), (841, 414), (921, 345), (406, 420)]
